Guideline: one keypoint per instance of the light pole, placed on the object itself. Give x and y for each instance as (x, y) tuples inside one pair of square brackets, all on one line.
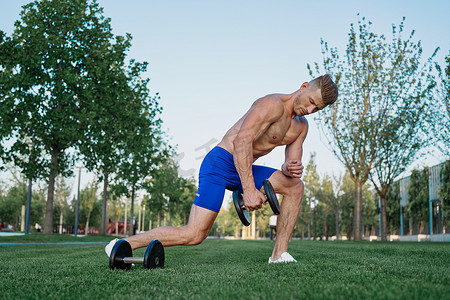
[(78, 201), (27, 222)]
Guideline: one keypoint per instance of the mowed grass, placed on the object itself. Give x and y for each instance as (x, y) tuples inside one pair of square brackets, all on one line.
[(230, 269)]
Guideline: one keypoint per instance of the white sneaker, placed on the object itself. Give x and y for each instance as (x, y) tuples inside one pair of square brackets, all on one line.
[(109, 247), (284, 258)]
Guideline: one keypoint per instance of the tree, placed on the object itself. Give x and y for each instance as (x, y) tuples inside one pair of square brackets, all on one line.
[(115, 208), (88, 198), (375, 123), (347, 200), (330, 195), (228, 220), (370, 212), (441, 115), (11, 203), (170, 194), (327, 198), (312, 186), (393, 208), (189, 191), (106, 122), (444, 192), (50, 69), (143, 146), (62, 194), (418, 207)]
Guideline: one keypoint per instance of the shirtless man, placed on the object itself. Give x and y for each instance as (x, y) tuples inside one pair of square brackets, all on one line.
[(273, 120)]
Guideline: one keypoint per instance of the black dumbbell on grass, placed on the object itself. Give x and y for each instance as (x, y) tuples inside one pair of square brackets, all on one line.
[(122, 256), (244, 215)]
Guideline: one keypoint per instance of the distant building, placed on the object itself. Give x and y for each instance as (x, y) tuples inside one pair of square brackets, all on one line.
[(435, 223)]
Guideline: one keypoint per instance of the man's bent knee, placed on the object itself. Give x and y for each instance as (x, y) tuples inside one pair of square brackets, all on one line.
[(293, 186), (195, 238), (199, 225), (297, 186)]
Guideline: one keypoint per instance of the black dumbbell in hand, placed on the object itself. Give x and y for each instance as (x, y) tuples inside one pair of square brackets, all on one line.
[(244, 215)]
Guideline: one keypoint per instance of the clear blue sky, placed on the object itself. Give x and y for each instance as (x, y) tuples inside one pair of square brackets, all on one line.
[(209, 60)]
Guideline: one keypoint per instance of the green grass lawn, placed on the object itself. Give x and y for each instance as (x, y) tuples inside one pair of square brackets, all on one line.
[(227, 269)]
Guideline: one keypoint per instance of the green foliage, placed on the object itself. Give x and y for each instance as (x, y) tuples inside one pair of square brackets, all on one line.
[(312, 185), (90, 207), (393, 208), (328, 203), (369, 207), (11, 203), (12, 199), (228, 221), (62, 196), (441, 109), (116, 206), (347, 196), (88, 199), (58, 52), (65, 85), (418, 206), (169, 193), (143, 147), (377, 125), (346, 192), (444, 192)]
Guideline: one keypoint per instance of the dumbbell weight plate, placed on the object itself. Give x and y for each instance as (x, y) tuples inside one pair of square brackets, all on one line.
[(271, 197), (154, 255), (243, 214), (120, 250)]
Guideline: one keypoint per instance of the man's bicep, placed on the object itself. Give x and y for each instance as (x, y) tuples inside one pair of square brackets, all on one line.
[(294, 151)]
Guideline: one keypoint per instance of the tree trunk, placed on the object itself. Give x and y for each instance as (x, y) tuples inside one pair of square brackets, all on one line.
[(48, 223), (357, 219), (314, 225), (309, 222), (349, 232), (105, 199), (383, 218), (143, 219), (132, 211), (326, 228), (61, 218), (126, 217), (86, 229), (338, 234)]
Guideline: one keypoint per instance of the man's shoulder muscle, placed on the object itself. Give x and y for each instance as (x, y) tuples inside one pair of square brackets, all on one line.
[(302, 125), (269, 103)]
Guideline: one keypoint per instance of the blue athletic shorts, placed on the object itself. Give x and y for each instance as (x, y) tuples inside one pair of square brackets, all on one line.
[(218, 173)]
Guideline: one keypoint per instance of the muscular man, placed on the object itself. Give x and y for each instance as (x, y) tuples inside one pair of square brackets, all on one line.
[(273, 120)]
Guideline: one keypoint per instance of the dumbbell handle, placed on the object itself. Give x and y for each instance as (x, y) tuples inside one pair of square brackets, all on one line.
[(133, 260), (243, 205)]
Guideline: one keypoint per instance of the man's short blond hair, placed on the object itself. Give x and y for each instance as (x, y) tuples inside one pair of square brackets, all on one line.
[(328, 88)]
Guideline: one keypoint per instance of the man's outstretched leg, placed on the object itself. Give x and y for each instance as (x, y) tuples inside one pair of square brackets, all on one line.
[(292, 191), (197, 229)]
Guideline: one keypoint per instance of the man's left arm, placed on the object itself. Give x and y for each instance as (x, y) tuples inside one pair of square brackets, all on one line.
[(293, 166)]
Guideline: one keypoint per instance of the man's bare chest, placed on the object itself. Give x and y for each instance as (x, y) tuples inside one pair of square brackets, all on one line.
[(281, 133)]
